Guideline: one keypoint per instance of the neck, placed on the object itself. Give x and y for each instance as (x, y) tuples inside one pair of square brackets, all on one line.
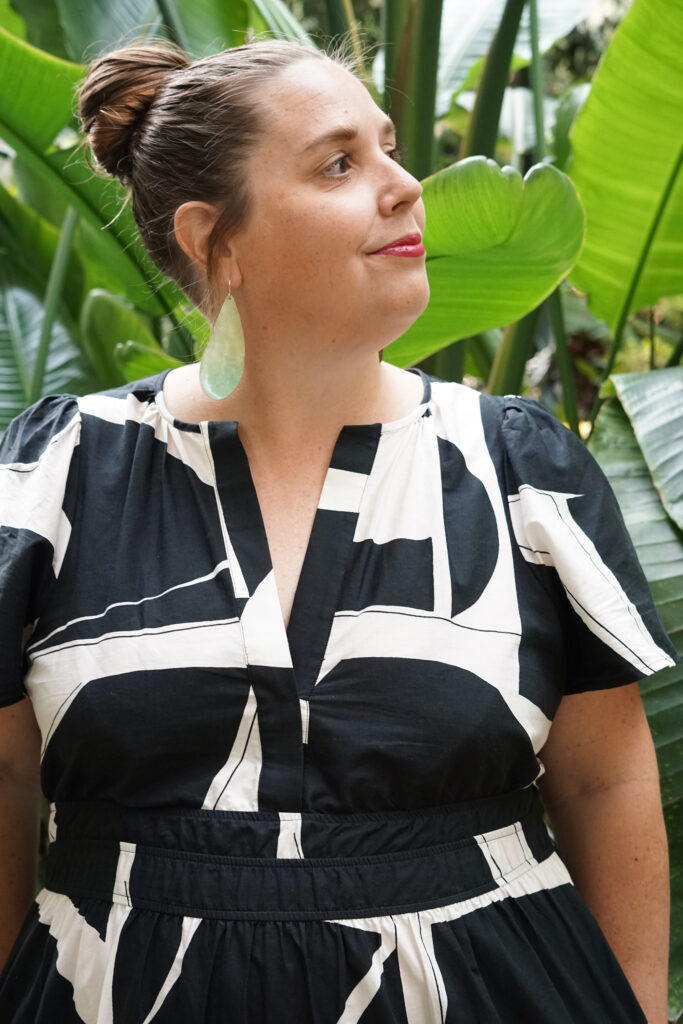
[(300, 396)]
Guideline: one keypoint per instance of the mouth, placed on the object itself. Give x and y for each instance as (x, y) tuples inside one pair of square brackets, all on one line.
[(409, 245)]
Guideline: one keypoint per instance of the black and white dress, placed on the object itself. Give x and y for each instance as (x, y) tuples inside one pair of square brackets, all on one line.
[(335, 822)]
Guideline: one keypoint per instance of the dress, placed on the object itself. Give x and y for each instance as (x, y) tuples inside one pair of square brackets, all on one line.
[(337, 822)]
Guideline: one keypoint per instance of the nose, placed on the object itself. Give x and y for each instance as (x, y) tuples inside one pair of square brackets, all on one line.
[(400, 188)]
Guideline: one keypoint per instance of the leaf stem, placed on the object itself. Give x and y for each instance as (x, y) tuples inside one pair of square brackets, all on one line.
[(53, 293)]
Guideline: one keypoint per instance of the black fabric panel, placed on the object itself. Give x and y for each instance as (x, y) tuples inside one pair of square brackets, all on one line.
[(191, 715), (471, 532), (25, 570), (31, 990), (317, 594), (240, 504), (124, 525), (210, 601), (147, 946), (356, 448), (547, 456), (534, 958), (393, 739), (271, 973), (29, 434), (399, 572), (388, 1004), (279, 718)]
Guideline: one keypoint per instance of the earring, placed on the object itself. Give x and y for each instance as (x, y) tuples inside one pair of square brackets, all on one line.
[(222, 361)]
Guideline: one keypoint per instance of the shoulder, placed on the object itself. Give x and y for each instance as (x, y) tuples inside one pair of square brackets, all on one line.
[(41, 426)]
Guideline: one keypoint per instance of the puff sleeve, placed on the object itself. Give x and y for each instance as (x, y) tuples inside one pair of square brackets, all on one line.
[(565, 517), (36, 457)]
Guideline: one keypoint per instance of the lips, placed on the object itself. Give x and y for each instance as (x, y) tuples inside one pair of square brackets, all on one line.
[(409, 245)]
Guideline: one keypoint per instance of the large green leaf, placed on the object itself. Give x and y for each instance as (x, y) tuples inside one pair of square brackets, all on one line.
[(36, 91), (280, 21), (654, 405), (106, 321), (92, 26), (659, 544), (26, 238), (627, 165), (21, 317), (496, 246)]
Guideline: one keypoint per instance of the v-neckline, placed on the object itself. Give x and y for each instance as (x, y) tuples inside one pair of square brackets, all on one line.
[(300, 645)]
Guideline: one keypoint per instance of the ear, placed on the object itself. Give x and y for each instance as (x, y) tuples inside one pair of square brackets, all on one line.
[(192, 224)]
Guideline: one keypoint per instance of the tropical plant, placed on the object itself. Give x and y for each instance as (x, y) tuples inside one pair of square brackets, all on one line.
[(81, 305)]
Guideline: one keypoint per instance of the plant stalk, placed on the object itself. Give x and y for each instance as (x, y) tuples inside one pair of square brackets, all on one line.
[(482, 131), (174, 24), (564, 361), (640, 266), (53, 293), (411, 46)]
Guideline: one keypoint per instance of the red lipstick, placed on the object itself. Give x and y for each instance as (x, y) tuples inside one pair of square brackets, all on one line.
[(409, 245)]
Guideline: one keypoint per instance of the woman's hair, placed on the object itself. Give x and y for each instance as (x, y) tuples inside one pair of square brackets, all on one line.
[(173, 131)]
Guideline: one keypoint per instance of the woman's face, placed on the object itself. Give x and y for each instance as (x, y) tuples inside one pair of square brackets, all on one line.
[(327, 195)]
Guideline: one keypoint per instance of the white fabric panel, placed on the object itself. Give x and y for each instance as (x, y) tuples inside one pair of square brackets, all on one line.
[(424, 992), (83, 958), (31, 494), (592, 588), (458, 419), (507, 852), (305, 707), (235, 787), (289, 840), (342, 490), (517, 518), (57, 674), (121, 891), (368, 986), (265, 636), (403, 500)]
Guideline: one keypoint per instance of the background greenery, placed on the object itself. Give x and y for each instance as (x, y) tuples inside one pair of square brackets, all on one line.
[(550, 148)]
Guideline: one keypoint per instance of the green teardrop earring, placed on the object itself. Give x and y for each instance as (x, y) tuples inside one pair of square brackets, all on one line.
[(222, 361)]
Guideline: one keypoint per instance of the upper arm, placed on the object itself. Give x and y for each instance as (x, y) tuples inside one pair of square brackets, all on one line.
[(599, 739), (19, 743)]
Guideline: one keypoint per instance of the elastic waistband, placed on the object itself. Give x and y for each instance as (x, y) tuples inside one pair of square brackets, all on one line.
[(119, 857)]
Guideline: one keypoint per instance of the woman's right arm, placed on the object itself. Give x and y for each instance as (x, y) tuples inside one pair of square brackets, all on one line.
[(20, 799)]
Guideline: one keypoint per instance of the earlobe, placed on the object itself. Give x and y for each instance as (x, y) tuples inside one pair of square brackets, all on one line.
[(192, 224)]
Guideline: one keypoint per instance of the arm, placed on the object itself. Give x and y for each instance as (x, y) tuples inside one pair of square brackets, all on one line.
[(19, 817), (601, 791)]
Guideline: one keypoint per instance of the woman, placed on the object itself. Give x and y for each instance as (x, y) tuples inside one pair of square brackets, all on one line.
[(291, 677)]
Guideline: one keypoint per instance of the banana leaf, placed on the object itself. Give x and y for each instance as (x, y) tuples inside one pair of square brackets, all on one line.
[(628, 155), (496, 246), (659, 544)]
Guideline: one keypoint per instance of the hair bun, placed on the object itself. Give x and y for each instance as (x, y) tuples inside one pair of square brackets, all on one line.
[(119, 89)]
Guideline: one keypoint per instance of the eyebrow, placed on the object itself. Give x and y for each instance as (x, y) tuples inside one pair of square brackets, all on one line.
[(346, 133)]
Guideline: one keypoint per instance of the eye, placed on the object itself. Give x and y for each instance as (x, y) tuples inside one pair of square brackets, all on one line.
[(338, 167), (397, 154)]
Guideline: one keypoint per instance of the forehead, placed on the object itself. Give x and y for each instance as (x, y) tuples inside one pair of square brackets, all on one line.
[(314, 95)]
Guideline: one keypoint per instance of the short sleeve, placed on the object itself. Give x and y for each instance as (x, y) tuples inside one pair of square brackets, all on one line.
[(565, 517), (36, 454)]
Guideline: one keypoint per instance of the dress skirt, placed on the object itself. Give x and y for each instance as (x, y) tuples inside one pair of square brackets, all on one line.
[(465, 913)]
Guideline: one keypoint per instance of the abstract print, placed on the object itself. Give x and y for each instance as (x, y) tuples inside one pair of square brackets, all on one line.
[(334, 821)]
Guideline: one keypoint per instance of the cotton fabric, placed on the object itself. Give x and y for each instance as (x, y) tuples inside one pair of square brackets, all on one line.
[(337, 821)]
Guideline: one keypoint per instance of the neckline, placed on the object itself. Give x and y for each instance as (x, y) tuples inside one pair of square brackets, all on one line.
[(417, 412)]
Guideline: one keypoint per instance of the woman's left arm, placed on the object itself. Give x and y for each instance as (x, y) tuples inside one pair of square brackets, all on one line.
[(601, 791)]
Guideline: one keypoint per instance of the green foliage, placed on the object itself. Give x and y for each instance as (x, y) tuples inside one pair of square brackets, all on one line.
[(485, 224), (628, 156), (632, 442)]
